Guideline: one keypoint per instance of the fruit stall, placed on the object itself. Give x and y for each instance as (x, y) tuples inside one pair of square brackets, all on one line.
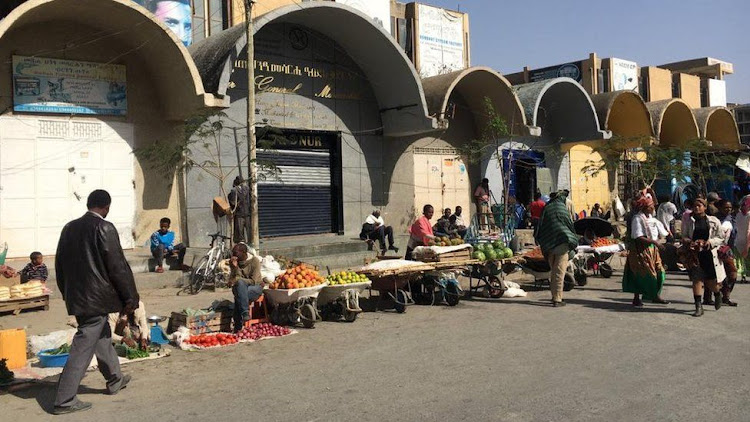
[(390, 278), (340, 298), (293, 296), (451, 258), (494, 259)]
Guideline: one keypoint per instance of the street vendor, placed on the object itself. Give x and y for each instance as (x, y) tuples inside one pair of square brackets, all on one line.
[(246, 282), (589, 237), (420, 233), (135, 331), (556, 236)]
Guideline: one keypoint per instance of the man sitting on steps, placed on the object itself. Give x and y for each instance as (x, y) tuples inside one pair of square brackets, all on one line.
[(374, 229)]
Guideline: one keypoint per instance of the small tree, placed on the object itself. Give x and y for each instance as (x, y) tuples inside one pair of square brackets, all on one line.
[(199, 147)]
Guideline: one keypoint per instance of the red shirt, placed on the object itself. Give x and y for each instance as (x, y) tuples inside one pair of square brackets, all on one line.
[(421, 229), (536, 208)]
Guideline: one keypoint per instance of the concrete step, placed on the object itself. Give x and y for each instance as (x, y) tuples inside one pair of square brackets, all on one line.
[(314, 250)]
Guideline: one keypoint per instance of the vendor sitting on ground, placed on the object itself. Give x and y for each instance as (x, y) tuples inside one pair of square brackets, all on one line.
[(442, 227), (162, 245), (34, 270), (460, 222), (420, 233), (246, 282), (589, 237), (132, 329), (374, 229)]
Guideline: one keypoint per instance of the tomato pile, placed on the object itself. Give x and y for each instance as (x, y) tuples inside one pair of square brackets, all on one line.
[(212, 340), (534, 254), (258, 331), (603, 241), (298, 277)]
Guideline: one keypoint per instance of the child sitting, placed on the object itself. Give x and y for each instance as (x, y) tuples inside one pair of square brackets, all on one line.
[(35, 270), (162, 245)]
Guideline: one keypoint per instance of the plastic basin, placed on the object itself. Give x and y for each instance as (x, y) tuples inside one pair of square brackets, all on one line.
[(52, 361)]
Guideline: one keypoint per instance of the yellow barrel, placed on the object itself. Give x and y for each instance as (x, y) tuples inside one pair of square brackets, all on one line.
[(13, 347)]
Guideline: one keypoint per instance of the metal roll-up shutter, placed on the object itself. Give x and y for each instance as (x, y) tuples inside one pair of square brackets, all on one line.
[(298, 199)]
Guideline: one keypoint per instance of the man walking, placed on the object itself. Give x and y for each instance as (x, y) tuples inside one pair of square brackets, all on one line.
[(95, 280), (239, 200), (557, 239)]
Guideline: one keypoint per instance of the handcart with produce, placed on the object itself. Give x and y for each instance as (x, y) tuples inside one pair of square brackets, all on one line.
[(441, 284), (390, 278), (293, 296), (492, 260), (597, 249), (340, 297), (534, 264)]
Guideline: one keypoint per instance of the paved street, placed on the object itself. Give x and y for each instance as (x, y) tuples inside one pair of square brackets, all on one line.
[(507, 360)]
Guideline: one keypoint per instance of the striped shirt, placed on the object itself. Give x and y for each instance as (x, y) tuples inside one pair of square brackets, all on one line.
[(34, 272)]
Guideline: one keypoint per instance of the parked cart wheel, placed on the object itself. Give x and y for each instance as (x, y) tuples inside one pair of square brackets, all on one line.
[(350, 316), (400, 305), (569, 282), (308, 315), (494, 288), (605, 270), (452, 296), (424, 293), (581, 278)]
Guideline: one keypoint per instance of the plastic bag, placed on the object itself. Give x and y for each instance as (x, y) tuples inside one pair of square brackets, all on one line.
[(52, 340), (514, 292)]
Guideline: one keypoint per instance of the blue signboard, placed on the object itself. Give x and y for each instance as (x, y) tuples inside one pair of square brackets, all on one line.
[(44, 85)]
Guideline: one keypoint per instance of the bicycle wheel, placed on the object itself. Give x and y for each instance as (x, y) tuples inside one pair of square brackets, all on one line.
[(199, 276)]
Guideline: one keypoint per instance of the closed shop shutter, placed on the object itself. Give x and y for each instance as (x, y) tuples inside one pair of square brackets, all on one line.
[(298, 199)]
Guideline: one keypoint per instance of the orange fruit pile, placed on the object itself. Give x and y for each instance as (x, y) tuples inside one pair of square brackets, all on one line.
[(603, 241), (297, 277)]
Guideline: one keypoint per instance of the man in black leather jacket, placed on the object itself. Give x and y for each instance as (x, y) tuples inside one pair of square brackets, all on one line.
[(95, 280)]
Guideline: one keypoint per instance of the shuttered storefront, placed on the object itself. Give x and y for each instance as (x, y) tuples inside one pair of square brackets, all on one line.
[(304, 197)]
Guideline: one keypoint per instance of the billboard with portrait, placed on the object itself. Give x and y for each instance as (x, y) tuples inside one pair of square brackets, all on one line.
[(440, 42), (177, 15), (624, 75), (44, 85), (378, 10), (573, 70)]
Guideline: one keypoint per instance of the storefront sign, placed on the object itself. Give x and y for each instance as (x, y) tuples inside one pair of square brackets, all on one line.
[(68, 87), (624, 75), (303, 139), (378, 10), (569, 70), (441, 41), (717, 93)]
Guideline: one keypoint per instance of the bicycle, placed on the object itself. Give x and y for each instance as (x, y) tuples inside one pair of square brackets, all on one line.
[(205, 272)]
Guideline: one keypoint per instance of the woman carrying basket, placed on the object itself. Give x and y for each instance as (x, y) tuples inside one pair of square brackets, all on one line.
[(644, 273)]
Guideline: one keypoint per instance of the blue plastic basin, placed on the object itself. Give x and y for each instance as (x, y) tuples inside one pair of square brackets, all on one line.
[(52, 361)]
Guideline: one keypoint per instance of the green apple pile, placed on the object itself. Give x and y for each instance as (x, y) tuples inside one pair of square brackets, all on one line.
[(346, 277)]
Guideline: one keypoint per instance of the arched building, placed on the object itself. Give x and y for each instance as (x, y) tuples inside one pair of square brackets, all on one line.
[(342, 94), (86, 91)]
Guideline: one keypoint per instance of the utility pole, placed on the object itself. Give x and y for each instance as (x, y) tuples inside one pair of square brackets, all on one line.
[(251, 144)]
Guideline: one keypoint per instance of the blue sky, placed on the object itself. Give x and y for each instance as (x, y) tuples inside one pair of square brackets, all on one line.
[(508, 35)]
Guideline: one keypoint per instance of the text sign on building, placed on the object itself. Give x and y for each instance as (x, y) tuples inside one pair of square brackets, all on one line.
[(440, 42), (624, 75), (568, 70), (378, 10), (46, 85)]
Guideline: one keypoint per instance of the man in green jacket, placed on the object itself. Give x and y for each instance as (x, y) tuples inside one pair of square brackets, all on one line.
[(558, 240)]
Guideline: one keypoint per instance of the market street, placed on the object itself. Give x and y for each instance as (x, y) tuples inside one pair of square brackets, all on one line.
[(509, 359)]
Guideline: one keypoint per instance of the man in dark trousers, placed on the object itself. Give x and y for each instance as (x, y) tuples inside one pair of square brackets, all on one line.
[(239, 200), (95, 280)]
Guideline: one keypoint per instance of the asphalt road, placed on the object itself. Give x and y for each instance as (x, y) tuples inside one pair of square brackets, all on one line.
[(505, 360)]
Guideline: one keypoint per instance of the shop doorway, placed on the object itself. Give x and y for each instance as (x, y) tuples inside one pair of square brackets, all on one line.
[(441, 179), (305, 194), (523, 167)]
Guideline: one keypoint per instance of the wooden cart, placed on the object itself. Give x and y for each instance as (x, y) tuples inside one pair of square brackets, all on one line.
[(17, 305)]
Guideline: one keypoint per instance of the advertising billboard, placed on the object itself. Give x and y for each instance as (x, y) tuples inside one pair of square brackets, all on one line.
[(378, 10), (717, 93), (44, 85), (624, 75), (572, 70), (177, 15), (441, 41)]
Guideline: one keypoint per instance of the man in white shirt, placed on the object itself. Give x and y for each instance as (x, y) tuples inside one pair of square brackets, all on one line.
[(460, 223), (374, 228)]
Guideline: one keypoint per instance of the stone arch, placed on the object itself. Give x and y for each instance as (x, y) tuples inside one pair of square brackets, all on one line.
[(391, 74), (624, 113), (179, 86), (717, 125), (562, 109), (674, 123), (473, 85)]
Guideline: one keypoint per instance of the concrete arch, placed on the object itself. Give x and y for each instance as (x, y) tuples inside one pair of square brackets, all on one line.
[(717, 125), (674, 123), (474, 84), (393, 78), (562, 109), (624, 113), (179, 86)]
